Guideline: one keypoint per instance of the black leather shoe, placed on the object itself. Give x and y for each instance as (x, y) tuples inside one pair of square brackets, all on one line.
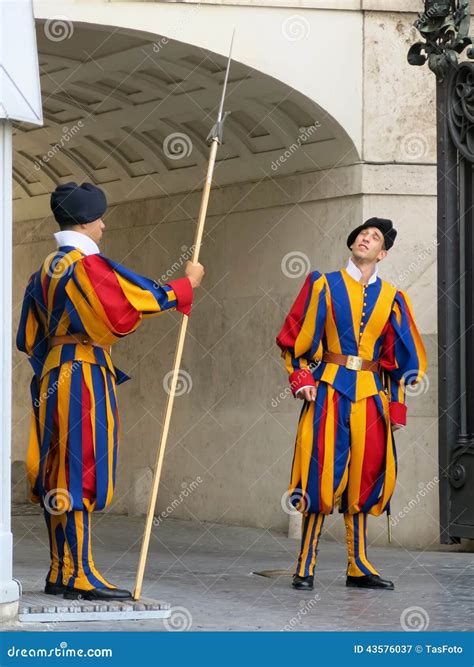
[(110, 594), (54, 589), (369, 581), (303, 583)]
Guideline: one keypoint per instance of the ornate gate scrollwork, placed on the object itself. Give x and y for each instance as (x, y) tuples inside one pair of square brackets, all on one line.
[(445, 26), (461, 109)]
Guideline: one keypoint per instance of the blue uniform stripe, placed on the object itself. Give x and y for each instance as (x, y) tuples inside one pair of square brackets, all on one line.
[(101, 437), (342, 312), (58, 302), (113, 406), (68, 353), (92, 579), (51, 399), (342, 439), (311, 549), (76, 325), (313, 475), (71, 536), (60, 541)]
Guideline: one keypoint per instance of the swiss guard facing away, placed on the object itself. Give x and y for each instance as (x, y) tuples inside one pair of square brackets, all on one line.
[(351, 346), (76, 306)]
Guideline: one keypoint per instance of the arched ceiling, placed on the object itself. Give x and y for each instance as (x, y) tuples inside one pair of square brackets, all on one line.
[(132, 115)]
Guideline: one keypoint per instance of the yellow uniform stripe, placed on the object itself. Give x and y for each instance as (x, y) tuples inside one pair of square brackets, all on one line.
[(303, 448), (358, 419), (110, 438)]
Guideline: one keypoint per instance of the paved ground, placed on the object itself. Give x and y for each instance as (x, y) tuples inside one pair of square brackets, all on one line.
[(205, 572)]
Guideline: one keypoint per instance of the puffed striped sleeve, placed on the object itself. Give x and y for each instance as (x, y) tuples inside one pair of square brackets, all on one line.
[(302, 331), (117, 298), (403, 356), (30, 337)]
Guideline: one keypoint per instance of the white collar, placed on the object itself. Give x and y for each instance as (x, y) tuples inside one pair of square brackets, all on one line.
[(355, 272), (84, 243)]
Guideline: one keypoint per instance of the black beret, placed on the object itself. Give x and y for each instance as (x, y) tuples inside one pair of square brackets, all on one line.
[(74, 204), (385, 226)]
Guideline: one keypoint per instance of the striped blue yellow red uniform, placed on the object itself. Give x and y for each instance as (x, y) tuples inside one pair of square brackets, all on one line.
[(345, 452), (75, 427)]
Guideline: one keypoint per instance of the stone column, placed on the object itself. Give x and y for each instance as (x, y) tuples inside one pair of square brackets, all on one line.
[(9, 589)]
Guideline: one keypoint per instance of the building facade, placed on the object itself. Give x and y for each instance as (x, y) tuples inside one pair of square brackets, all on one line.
[(329, 125)]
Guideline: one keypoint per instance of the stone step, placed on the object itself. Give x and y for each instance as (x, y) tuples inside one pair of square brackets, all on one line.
[(41, 608)]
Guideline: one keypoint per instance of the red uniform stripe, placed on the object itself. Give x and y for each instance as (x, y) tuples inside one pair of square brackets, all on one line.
[(387, 355), (183, 290), (120, 313), (88, 456), (374, 451), (292, 325)]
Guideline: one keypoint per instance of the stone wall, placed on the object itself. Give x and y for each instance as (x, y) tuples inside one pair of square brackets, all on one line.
[(232, 435)]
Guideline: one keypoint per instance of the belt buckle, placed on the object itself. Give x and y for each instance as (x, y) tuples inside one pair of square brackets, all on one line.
[(354, 363)]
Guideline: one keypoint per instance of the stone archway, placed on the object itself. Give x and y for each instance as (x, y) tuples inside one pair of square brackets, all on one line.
[(131, 112)]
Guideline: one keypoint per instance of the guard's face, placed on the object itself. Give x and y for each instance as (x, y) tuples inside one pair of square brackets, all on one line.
[(369, 245), (94, 230)]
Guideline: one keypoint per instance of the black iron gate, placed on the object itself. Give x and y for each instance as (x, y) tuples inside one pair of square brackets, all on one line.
[(445, 26), (456, 301)]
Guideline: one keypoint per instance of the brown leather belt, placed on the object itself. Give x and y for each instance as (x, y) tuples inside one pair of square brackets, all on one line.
[(352, 362), (80, 339)]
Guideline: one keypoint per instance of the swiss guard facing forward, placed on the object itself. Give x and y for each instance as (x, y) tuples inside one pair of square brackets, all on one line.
[(76, 306), (351, 345)]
